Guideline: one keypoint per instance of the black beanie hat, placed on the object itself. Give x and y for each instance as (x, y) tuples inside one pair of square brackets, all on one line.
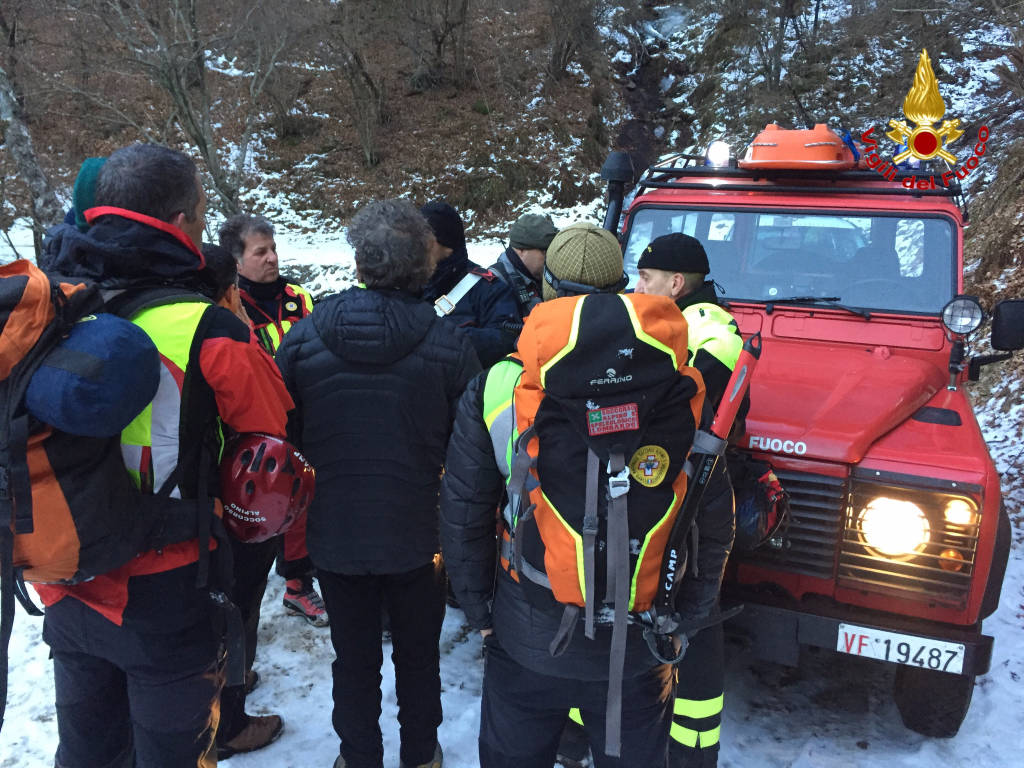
[(675, 253), (446, 224)]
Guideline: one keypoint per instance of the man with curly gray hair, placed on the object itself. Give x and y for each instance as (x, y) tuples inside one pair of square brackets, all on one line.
[(376, 376)]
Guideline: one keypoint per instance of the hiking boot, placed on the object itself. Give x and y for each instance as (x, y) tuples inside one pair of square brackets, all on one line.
[(300, 599), (260, 731), (437, 761), (252, 679)]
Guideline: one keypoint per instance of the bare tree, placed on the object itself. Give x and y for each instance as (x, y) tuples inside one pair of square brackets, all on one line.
[(352, 26), (45, 209), (771, 39), (170, 44), (436, 31), (573, 25)]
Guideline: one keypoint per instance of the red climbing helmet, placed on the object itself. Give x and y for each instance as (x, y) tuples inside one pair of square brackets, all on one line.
[(265, 485)]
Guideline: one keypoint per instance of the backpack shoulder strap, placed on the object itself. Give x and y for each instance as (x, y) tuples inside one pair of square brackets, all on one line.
[(130, 301), (446, 304)]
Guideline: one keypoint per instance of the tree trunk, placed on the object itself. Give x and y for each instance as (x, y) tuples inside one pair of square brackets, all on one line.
[(367, 100), (461, 41), (46, 210)]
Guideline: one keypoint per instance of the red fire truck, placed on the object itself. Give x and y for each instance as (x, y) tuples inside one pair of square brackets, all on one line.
[(897, 541)]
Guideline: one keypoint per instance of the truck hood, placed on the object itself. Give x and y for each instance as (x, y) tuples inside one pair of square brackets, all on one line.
[(833, 404)]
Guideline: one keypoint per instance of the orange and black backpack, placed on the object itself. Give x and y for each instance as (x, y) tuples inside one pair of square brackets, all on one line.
[(606, 410), (69, 509)]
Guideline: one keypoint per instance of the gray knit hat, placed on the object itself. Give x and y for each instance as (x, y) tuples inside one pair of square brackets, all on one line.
[(586, 254), (532, 230)]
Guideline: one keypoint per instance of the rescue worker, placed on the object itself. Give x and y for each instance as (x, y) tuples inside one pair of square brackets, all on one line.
[(273, 305), (465, 294), (522, 263), (523, 684), (676, 266), (376, 376), (136, 651), (223, 273)]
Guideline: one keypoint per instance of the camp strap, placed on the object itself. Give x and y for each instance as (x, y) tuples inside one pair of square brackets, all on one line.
[(24, 596), (20, 490), (230, 617), (6, 609), (518, 475), (508, 551), (618, 568), (563, 636), (522, 567), (705, 442), (446, 304), (694, 539), (589, 540)]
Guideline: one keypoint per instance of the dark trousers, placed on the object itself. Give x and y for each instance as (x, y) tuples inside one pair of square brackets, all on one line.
[(415, 603), (699, 698), (131, 699), (522, 714), (251, 567)]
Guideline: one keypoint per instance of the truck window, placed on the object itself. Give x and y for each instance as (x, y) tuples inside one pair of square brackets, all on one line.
[(900, 264), (706, 226)]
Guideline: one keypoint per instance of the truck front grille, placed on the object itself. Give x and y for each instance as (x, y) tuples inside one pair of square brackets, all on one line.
[(823, 540), (808, 544), (918, 576)]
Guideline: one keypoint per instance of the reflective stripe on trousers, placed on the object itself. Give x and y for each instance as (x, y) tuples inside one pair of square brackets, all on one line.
[(694, 733)]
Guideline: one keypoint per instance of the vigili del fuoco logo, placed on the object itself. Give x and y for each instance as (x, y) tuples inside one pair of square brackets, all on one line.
[(922, 136)]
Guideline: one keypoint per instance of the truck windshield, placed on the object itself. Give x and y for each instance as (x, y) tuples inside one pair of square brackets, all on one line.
[(887, 263)]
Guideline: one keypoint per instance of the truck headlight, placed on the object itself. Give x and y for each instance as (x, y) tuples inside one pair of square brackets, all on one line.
[(962, 315), (893, 527), (960, 512)]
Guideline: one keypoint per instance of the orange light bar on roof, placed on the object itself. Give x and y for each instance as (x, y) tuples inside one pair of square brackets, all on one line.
[(817, 148)]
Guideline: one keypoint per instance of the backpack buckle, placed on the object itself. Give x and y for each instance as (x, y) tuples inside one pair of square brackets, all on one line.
[(444, 306), (618, 485)]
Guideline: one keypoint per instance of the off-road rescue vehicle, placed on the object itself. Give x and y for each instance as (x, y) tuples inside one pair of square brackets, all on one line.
[(897, 541)]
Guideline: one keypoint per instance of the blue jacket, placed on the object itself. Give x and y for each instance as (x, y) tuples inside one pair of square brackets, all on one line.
[(489, 313)]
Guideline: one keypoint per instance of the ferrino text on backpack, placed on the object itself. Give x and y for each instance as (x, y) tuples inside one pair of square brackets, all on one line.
[(69, 509), (606, 410)]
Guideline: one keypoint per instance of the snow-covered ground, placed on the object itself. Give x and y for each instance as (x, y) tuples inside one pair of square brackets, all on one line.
[(829, 712)]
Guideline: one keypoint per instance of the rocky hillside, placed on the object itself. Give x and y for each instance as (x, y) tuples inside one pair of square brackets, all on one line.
[(312, 107)]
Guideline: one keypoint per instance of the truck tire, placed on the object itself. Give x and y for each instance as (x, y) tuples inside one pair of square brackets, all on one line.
[(932, 703)]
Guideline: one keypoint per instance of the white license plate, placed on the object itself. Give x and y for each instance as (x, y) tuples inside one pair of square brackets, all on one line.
[(901, 649)]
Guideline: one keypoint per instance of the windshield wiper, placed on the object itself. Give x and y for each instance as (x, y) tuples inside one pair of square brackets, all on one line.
[(832, 301)]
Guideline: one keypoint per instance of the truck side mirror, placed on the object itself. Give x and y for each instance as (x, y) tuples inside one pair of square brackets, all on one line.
[(1008, 325)]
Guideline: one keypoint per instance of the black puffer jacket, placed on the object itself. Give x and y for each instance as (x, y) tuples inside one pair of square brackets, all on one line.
[(375, 376)]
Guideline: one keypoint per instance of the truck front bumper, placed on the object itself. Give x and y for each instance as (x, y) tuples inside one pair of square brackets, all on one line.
[(777, 632)]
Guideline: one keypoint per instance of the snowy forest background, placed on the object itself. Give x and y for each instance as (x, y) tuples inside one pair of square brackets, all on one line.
[(303, 110)]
